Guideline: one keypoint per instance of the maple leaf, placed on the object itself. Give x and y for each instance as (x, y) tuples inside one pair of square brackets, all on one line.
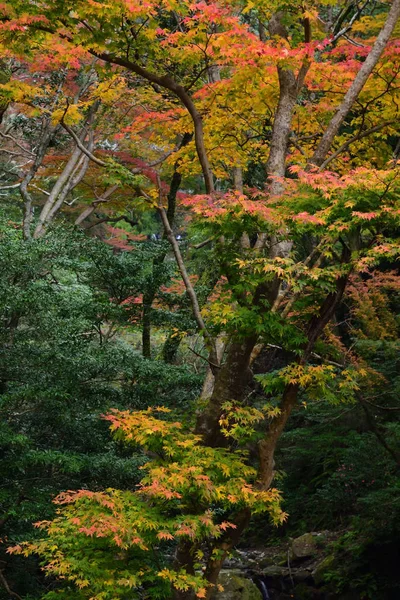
[(165, 535), (226, 525)]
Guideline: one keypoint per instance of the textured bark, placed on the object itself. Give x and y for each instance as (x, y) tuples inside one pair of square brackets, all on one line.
[(71, 176), (225, 545), (185, 559), (267, 446), (230, 384), (47, 134), (289, 87)]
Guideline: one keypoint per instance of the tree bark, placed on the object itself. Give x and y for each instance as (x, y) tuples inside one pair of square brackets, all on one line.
[(150, 294), (70, 177), (46, 136), (361, 78)]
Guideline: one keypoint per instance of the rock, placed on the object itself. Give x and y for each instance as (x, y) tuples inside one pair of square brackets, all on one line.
[(300, 575), (274, 571), (236, 587), (304, 546), (321, 569), (265, 562)]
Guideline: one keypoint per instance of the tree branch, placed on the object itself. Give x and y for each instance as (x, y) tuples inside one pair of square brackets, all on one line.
[(357, 85), (7, 587), (188, 284), (355, 138)]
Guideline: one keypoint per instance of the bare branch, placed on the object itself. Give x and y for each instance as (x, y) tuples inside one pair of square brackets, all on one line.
[(9, 591), (185, 276), (10, 187), (90, 209), (347, 28), (355, 138), (14, 141), (82, 146)]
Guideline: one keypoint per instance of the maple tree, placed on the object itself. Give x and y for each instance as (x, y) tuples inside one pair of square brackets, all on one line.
[(257, 98)]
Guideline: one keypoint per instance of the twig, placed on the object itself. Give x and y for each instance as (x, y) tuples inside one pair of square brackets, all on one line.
[(388, 408), (82, 147), (102, 163), (355, 138), (204, 358), (7, 587), (202, 244), (11, 187)]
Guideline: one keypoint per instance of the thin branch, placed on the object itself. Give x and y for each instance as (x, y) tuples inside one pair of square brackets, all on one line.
[(353, 42), (185, 276), (11, 187), (40, 189), (204, 358), (202, 244), (7, 587), (14, 141), (102, 163), (346, 28), (355, 138), (90, 209), (378, 406), (82, 147)]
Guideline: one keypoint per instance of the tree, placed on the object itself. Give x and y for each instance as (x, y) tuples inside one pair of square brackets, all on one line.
[(287, 249), (63, 364)]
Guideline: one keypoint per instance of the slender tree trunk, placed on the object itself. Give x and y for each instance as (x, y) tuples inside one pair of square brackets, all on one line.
[(360, 80), (146, 324), (150, 294), (47, 134), (170, 348)]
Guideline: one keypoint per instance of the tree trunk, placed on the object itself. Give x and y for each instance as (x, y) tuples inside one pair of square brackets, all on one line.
[(361, 78), (149, 296)]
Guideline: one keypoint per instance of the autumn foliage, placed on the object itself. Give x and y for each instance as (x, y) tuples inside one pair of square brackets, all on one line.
[(265, 131)]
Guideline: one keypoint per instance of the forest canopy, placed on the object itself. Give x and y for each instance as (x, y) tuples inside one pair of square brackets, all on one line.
[(199, 297)]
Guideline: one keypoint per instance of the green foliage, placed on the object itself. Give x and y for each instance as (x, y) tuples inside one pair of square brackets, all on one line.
[(107, 543), (62, 300)]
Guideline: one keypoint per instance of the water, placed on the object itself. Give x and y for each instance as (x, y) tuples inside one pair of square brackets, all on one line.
[(264, 589)]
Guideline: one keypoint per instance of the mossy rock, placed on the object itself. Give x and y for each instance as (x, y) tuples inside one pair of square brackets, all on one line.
[(237, 587), (322, 569), (281, 559), (304, 546)]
